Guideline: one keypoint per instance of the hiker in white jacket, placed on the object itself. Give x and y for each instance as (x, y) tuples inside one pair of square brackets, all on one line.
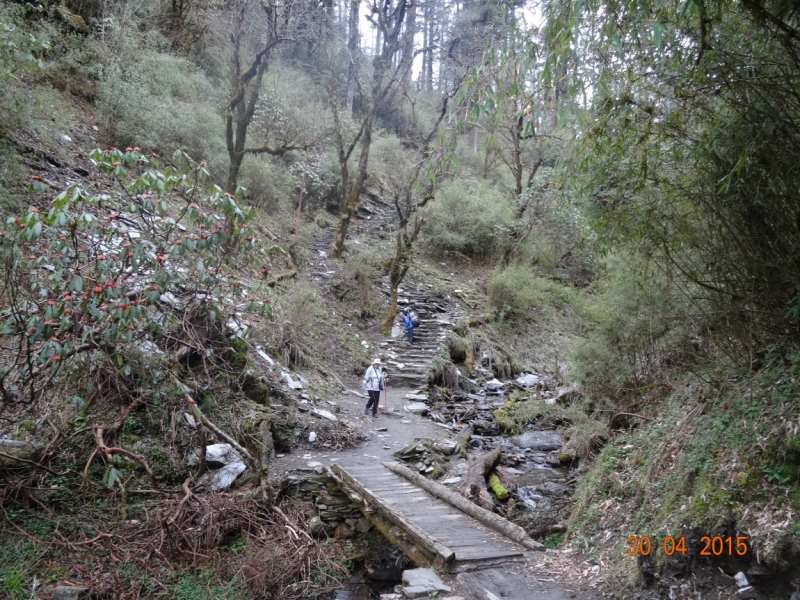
[(374, 379)]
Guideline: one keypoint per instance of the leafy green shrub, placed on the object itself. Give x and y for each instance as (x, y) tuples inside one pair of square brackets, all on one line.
[(516, 291), (75, 64), (636, 329), (85, 275), (471, 218), (355, 282), (157, 101), (296, 336)]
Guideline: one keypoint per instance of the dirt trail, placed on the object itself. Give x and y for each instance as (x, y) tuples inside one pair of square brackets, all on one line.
[(395, 428)]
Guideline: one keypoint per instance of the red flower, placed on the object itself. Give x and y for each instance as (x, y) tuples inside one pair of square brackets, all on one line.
[(37, 178)]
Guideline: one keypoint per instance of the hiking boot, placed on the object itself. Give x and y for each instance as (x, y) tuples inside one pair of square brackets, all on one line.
[(374, 415), (366, 411)]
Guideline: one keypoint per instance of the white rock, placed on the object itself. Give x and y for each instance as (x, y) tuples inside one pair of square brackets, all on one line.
[(219, 454), (312, 436), (451, 480), (221, 479), (265, 356), (291, 382), (420, 397), (323, 414), (528, 380), (741, 579), (494, 384), (422, 582), (417, 408)]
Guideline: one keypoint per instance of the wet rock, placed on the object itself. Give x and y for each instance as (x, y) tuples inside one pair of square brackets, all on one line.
[(528, 380), (419, 408), (494, 385), (479, 425), (533, 478), (446, 446), (541, 441), (319, 528), (422, 582), (551, 488), (566, 396)]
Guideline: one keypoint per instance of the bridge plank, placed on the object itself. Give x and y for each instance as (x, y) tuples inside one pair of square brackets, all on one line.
[(409, 506), (420, 536)]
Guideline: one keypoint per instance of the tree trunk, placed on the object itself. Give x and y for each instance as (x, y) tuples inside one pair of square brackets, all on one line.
[(421, 80), (429, 52), (351, 204), (407, 59), (473, 484), (15, 453), (355, 51), (390, 23)]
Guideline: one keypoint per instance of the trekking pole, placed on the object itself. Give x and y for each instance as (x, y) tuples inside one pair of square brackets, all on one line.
[(385, 396)]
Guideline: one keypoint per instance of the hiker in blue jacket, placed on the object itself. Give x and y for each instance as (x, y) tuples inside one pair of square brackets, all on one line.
[(408, 325)]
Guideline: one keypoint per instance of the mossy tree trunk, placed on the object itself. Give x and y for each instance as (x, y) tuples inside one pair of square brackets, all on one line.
[(407, 202), (246, 78), (389, 22)]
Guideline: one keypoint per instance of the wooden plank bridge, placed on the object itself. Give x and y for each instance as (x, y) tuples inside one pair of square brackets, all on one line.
[(430, 531)]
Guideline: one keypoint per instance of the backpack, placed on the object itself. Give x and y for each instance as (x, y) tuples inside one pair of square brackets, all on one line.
[(412, 314)]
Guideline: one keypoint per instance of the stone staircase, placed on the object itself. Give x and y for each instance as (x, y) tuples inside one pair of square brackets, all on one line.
[(408, 364), (372, 217)]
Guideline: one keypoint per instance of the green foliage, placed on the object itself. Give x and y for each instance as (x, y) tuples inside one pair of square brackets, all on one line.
[(203, 584), (296, 336), (471, 219), (152, 99), (553, 541), (100, 281), (516, 291), (356, 280), (699, 177), (16, 558), (20, 50), (75, 64), (634, 323)]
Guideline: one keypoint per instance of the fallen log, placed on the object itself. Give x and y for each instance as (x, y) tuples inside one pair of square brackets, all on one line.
[(490, 519), (15, 452), (548, 530), (473, 482)]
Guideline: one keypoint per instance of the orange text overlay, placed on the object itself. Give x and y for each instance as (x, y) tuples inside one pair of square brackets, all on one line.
[(643, 545)]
